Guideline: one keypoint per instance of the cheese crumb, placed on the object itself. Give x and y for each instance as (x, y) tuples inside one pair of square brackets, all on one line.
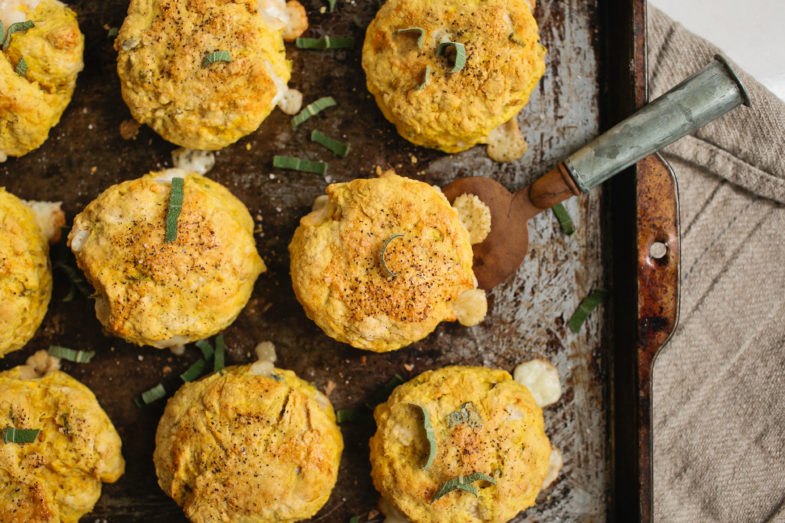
[(471, 307), (191, 160), (542, 380), (475, 216), (505, 143), (554, 466)]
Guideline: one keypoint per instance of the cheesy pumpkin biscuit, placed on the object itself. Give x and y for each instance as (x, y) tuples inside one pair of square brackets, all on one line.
[(167, 294), (384, 302), (236, 446), (25, 273), (484, 423), (170, 77), (37, 72), (418, 91), (56, 478)]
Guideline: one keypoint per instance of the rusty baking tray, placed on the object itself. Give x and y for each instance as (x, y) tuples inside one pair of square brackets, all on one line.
[(595, 76)]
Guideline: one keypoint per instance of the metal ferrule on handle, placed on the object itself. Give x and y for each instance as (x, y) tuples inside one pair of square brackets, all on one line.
[(703, 97)]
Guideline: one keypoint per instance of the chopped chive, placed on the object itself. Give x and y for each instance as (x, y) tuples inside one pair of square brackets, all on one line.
[(331, 5), (112, 33), (14, 435), (352, 416), (354, 519), (584, 309), (382, 261), (175, 206), (151, 395), (427, 80), (514, 38), (2, 32), (217, 56), (77, 356), (325, 42), (460, 54), (21, 67), (220, 351), (298, 164), (206, 348), (426, 419), (313, 109), (419, 30), (564, 219), (339, 148), (19, 26), (74, 278), (194, 371), (463, 483), (381, 395)]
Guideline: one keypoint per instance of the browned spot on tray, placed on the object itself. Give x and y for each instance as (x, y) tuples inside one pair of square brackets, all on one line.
[(129, 129)]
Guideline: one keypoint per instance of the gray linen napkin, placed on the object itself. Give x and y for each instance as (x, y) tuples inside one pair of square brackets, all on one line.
[(719, 385)]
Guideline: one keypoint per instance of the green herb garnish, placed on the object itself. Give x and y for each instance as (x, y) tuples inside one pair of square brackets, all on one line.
[(331, 5), (75, 279), (217, 56), (220, 351), (325, 42), (339, 148), (313, 109), (298, 164), (467, 414), (354, 519), (463, 483), (77, 356), (194, 371), (517, 40), (426, 419), (382, 261), (14, 435), (352, 416), (381, 395), (151, 395), (564, 219), (19, 26), (584, 309), (175, 206), (112, 33), (21, 67), (419, 30), (460, 54), (426, 80), (206, 348)]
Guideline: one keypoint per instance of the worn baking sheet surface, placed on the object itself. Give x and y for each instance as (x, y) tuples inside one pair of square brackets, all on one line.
[(85, 154)]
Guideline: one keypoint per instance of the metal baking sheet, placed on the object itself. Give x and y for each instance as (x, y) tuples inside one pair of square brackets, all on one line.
[(527, 315)]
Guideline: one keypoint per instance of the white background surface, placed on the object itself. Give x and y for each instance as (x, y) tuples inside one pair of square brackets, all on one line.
[(749, 32)]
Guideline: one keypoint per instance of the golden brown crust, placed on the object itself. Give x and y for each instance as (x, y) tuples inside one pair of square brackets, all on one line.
[(32, 104), (162, 294), (236, 446), (58, 477), (25, 274), (338, 277), (504, 62), (499, 432), (161, 50)]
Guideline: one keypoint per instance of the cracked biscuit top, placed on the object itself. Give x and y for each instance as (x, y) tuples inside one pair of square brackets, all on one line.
[(373, 300), (166, 294), (418, 91), (169, 85), (235, 446)]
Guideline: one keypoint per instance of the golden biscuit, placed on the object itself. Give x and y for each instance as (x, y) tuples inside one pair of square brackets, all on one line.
[(167, 294), (452, 111), (169, 83), (25, 273), (58, 477), (342, 282), (236, 446), (32, 100), (483, 422)]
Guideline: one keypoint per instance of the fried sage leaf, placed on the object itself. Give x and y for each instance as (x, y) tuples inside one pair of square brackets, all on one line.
[(426, 418), (463, 483)]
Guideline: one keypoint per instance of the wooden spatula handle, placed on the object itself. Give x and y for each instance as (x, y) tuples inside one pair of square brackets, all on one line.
[(553, 188)]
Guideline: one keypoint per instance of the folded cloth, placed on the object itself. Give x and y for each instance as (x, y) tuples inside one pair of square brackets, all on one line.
[(719, 384)]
